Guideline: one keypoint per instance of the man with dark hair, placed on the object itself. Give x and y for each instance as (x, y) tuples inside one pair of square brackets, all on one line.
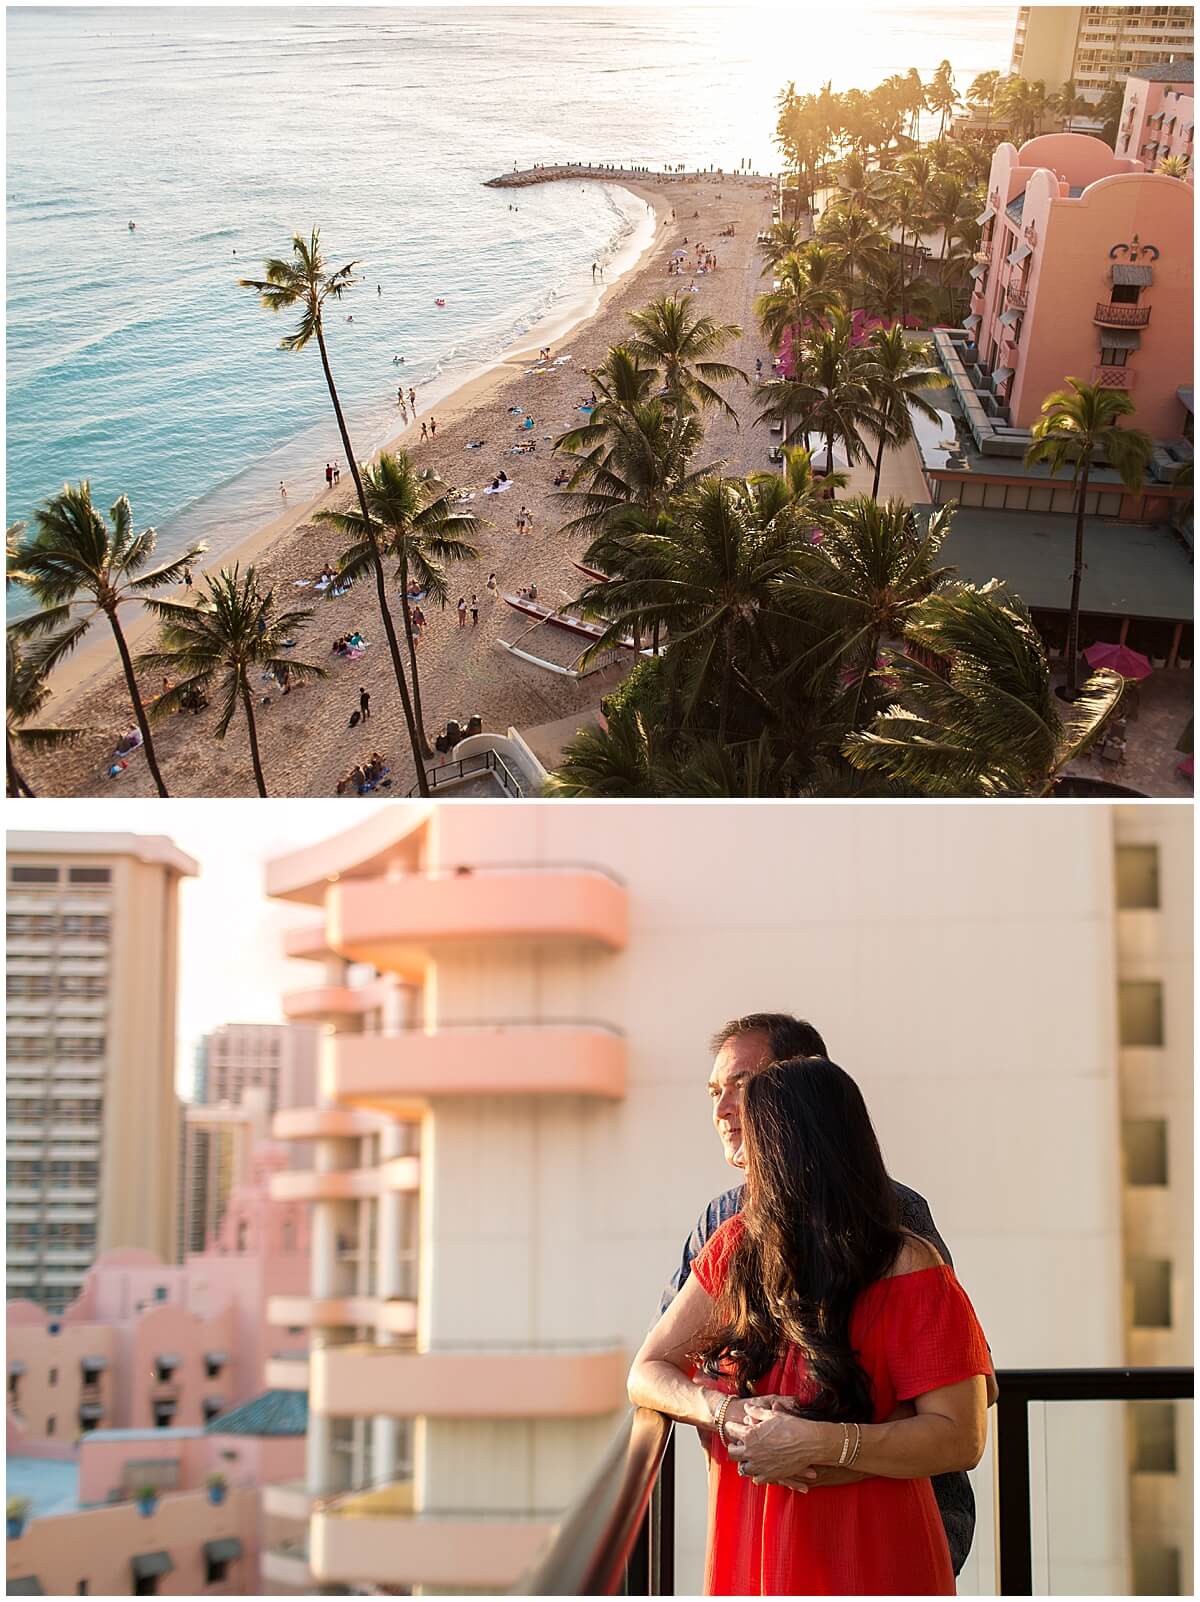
[(740, 1048)]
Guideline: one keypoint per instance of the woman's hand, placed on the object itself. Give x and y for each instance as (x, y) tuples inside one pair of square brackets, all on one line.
[(772, 1445)]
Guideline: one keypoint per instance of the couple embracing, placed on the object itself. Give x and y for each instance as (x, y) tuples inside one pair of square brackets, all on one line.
[(816, 1336)]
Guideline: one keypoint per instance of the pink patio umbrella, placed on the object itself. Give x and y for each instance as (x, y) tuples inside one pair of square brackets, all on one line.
[(1128, 663)]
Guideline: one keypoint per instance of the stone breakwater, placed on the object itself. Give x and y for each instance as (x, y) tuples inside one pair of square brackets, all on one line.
[(522, 177)]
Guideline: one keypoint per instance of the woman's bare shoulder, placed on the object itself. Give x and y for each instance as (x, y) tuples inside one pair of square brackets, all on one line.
[(915, 1254)]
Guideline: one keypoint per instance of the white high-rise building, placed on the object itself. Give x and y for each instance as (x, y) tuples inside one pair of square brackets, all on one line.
[(92, 924), (1009, 985)]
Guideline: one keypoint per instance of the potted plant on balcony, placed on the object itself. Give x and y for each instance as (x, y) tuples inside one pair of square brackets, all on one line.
[(147, 1499), (17, 1515), (217, 1486)]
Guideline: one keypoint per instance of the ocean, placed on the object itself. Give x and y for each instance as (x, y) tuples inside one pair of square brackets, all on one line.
[(133, 357)]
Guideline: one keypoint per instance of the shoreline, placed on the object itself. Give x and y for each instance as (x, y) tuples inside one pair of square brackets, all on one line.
[(307, 739), (97, 658)]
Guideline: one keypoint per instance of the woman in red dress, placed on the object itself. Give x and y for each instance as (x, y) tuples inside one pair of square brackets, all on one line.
[(831, 1361)]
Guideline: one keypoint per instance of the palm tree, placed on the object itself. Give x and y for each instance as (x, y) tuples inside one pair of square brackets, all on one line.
[(855, 242), (1173, 167), (947, 203), (798, 485), (915, 101), (981, 96), (829, 397), (712, 575), (305, 283), (888, 295), (941, 96), (422, 529), (896, 375), (1074, 427), (680, 343), (785, 312), (873, 565), (783, 239), (77, 567), (860, 185), (972, 711), (226, 635), (26, 693)]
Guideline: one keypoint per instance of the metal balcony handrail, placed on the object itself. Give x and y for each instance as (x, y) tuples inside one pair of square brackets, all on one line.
[(1018, 1388), (1121, 315), (477, 762), (619, 1534)]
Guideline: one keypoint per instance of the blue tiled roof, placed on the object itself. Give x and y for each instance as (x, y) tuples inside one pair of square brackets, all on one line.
[(272, 1413)]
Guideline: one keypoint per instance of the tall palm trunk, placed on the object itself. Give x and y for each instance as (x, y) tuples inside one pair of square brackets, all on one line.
[(426, 749), (248, 708), (139, 710), (878, 467), (829, 453), (389, 628), (1076, 585), (18, 784)]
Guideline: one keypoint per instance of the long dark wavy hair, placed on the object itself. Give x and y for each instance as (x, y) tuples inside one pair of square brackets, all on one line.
[(820, 1224)]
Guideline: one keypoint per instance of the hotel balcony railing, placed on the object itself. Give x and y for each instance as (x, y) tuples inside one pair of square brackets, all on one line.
[(1018, 299), (1113, 377), (1110, 316), (618, 1538), (984, 255)]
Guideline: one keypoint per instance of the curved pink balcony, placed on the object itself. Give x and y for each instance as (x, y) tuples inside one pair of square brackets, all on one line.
[(286, 1566), (331, 1003), (363, 1381), (351, 1312), (324, 1123), (401, 1073), (481, 1551), (308, 943), (346, 1184), (399, 925), (289, 1499)]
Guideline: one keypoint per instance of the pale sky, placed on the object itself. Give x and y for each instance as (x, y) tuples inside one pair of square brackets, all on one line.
[(230, 935)]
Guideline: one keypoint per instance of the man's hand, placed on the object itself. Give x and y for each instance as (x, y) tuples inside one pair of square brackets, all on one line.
[(774, 1446)]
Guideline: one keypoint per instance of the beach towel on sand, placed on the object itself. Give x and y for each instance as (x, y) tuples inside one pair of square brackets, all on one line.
[(499, 488)]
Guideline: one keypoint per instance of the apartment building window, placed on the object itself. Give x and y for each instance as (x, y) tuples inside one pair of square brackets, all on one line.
[(1137, 877), (89, 875), (1114, 356), (1150, 1282), (1154, 1442), (1145, 1144), (164, 1413), (33, 876), (53, 1376), (51, 1424), (1140, 1012), (1157, 1571)]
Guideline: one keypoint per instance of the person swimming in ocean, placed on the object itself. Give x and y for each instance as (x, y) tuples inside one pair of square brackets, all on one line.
[(132, 226)]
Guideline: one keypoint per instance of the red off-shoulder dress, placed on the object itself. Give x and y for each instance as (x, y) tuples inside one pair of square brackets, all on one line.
[(913, 1333)]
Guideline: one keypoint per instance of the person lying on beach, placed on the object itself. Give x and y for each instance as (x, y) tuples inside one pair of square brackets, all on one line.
[(561, 477), (474, 444)]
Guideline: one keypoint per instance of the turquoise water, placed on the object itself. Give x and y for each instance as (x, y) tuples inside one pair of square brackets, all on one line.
[(135, 360)]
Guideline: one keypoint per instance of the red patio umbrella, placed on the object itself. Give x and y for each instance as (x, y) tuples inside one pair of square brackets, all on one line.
[(1129, 664)]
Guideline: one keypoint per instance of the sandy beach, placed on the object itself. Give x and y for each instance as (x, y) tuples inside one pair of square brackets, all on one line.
[(305, 738)]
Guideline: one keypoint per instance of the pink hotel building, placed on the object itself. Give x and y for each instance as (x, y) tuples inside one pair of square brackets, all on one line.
[(1084, 268), (1158, 118)]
